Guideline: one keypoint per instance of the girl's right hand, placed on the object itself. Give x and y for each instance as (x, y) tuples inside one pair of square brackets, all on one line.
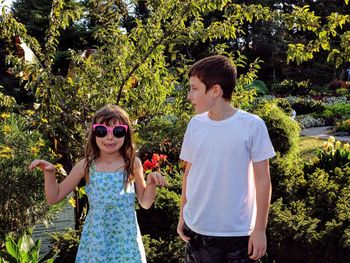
[(43, 165)]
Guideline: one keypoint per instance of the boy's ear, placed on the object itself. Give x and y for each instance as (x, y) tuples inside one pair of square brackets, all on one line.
[(217, 90)]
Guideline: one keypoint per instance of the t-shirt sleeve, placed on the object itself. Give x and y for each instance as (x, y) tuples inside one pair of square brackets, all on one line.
[(185, 153), (261, 147)]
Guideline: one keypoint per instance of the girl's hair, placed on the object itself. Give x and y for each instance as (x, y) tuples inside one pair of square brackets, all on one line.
[(110, 114)]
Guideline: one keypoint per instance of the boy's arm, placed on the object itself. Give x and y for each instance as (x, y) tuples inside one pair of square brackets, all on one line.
[(257, 242), (180, 226)]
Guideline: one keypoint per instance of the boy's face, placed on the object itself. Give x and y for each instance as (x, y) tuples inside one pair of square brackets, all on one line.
[(201, 100)]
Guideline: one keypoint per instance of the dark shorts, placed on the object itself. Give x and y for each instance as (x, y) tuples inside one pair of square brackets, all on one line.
[(210, 249)]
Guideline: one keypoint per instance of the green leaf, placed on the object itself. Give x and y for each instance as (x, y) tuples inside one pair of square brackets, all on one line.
[(12, 248), (27, 243)]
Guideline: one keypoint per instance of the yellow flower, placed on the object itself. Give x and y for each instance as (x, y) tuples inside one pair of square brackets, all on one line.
[(30, 112), (81, 191), (6, 152), (346, 147), (60, 169), (40, 143), (7, 129), (34, 150), (5, 115), (327, 145), (331, 139), (337, 144), (71, 201)]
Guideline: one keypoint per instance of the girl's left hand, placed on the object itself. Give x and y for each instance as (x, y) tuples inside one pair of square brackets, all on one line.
[(156, 178)]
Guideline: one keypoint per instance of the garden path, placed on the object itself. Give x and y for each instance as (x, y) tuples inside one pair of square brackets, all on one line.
[(324, 132)]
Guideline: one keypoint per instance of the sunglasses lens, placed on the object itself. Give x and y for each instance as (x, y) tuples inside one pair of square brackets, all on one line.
[(100, 131), (119, 131)]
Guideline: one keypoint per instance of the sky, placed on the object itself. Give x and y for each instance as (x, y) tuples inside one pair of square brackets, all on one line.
[(6, 2)]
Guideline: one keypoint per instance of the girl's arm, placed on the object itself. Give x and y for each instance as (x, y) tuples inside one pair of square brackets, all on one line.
[(55, 192), (146, 192)]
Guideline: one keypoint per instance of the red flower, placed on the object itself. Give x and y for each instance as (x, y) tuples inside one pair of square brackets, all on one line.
[(163, 157), (147, 165), (155, 163), (155, 158)]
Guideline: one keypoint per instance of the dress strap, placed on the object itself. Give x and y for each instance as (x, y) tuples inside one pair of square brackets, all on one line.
[(92, 168)]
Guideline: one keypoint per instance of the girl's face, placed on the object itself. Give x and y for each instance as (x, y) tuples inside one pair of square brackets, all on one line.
[(110, 144)]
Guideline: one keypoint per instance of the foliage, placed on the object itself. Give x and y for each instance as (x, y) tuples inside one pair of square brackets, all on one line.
[(38, 11), (284, 134), (291, 87), (25, 250), (340, 110), (65, 245), (259, 86), (342, 91), (317, 213), (309, 146), (335, 26), (343, 126), (158, 224), (305, 105), (6, 102), (22, 199), (166, 133), (142, 66), (337, 84), (333, 155), (308, 121)]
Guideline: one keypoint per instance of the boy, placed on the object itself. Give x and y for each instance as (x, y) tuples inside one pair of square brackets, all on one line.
[(226, 188)]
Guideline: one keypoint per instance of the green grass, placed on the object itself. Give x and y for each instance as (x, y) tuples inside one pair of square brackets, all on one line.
[(309, 146)]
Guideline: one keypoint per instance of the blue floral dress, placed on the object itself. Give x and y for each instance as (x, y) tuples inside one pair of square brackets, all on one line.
[(111, 232)]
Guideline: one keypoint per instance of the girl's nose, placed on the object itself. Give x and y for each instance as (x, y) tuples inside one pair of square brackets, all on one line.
[(110, 135)]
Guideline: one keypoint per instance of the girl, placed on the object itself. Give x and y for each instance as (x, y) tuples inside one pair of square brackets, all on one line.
[(110, 168)]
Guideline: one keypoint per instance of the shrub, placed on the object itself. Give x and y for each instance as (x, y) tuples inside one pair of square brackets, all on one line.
[(22, 200), (313, 223), (337, 84), (284, 134), (334, 100), (343, 126), (342, 91), (340, 110), (166, 133), (308, 121), (291, 87), (307, 105), (283, 131), (158, 224)]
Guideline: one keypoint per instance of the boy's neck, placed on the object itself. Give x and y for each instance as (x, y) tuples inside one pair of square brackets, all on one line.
[(222, 111)]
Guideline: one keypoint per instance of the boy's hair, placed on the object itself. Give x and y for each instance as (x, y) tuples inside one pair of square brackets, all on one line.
[(216, 70), (108, 115)]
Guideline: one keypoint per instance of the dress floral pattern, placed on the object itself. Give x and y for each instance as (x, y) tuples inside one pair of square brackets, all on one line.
[(111, 233)]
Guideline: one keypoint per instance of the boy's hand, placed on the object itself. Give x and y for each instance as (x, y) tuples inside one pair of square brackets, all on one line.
[(43, 165), (156, 178), (257, 245), (180, 230)]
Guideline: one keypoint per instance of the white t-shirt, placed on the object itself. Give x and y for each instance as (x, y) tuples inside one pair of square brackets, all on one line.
[(220, 188)]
